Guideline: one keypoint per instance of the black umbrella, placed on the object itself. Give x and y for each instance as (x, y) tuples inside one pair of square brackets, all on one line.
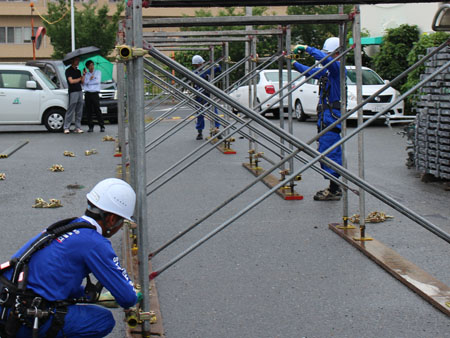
[(79, 52)]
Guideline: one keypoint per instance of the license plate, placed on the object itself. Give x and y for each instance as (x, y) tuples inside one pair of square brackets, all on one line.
[(104, 110)]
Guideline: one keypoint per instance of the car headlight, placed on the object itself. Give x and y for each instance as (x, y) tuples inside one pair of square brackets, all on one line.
[(115, 95)]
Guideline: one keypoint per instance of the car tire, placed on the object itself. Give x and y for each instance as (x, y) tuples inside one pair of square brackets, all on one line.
[(299, 113), (54, 120)]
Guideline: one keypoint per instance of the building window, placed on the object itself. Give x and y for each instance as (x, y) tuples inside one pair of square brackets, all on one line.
[(16, 35)]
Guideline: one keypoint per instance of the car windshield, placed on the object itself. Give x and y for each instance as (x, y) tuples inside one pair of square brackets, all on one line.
[(61, 69), (369, 77), (50, 84)]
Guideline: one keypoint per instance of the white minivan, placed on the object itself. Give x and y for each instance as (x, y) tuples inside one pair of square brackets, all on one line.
[(28, 96)]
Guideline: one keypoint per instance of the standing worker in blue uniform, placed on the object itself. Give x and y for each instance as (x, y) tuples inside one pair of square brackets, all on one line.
[(197, 62), (42, 301), (328, 109)]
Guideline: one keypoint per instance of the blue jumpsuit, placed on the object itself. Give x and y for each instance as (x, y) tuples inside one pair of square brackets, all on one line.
[(201, 119), (57, 271), (328, 117)]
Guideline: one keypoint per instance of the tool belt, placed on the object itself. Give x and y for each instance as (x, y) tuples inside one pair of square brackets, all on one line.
[(20, 305), (27, 308), (334, 105)]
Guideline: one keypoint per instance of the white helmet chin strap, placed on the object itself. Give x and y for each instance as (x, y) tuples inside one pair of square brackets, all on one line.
[(101, 213)]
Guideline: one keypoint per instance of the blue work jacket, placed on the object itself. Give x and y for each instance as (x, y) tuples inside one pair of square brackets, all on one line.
[(56, 272)]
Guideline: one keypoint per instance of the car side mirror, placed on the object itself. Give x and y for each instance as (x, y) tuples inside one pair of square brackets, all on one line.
[(386, 81), (31, 85)]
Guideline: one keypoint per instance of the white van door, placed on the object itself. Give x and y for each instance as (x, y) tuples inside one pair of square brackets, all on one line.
[(17, 103)]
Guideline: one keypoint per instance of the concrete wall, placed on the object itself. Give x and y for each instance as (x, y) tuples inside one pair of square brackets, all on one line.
[(377, 18)]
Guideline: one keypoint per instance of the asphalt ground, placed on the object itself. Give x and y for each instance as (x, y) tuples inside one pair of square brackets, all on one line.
[(278, 271), (28, 177)]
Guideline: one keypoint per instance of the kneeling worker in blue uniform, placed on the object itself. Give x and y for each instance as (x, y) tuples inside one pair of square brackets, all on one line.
[(328, 109), (41, 286)]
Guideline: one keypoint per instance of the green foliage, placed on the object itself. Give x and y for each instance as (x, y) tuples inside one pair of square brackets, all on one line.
[(420, 49), (315, 34), (266, 45), (93, 27), (391, 60)]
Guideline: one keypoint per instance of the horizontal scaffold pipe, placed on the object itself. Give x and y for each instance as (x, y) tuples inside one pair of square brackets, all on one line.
[(264, 136), (215, 33), (246, 20), (300, 144)]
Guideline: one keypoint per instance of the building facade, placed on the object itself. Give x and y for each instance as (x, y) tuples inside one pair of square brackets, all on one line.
[(16, 20)]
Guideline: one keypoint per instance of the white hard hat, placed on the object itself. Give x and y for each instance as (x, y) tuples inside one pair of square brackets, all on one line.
[(197, 60), (330, 44), (115, 196)]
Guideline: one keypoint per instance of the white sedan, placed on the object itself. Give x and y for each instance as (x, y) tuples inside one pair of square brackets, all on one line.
[(371, 82), (268, 84)]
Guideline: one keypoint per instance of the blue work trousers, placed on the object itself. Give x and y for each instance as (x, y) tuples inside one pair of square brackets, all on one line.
[(90, 321), (200, 125), (325, 142)]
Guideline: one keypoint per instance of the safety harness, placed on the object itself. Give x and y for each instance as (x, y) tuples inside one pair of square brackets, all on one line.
[(324, 93), (21, 306)]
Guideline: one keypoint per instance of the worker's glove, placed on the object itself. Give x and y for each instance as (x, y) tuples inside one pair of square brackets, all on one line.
[(299, 48), (293, 61), (106, 299), (139, 296)]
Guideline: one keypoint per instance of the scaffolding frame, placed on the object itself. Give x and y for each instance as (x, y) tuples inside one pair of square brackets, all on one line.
[(136, 139)]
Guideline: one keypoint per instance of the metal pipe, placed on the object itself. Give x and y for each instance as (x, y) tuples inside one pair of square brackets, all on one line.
[(11, 150), (343, 88), (359, 98), (278, 144), (382, 89), (263, 135), (298, 143), (223, 204), (138, 130)]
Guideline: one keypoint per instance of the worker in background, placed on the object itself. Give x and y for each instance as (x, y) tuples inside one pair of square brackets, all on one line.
[(328, 109), (92, 87), (56, 272), (197, 62)]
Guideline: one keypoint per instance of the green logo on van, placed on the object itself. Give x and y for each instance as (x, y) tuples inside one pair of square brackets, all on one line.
[(16, 101)]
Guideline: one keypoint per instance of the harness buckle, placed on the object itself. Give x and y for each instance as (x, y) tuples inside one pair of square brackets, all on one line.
[(4, 295)]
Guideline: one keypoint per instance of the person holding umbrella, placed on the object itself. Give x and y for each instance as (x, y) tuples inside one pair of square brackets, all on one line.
[(74, 80), (91, 88)]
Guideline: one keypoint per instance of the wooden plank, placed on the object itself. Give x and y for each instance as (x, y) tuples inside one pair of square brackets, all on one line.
[(271, 181), (418, 280), (226, 151)]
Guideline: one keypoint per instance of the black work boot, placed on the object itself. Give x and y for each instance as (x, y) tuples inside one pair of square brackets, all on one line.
[(199, 136)]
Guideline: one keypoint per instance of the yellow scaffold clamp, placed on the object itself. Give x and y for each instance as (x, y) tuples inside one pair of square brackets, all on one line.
[(126, 53), (108, 138), (2, 176), (135, 317), (53, 203), (56, 168), (68, 153), (90, 152)]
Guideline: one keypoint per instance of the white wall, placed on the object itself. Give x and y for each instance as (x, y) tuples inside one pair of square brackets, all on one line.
[(377, 18)]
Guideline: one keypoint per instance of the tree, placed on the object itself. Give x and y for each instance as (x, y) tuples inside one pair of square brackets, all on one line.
[(93, 27), (315, 34), (266, 45), (391, 60)]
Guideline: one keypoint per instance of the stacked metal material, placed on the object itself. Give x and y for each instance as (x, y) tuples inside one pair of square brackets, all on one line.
[(432, 136)]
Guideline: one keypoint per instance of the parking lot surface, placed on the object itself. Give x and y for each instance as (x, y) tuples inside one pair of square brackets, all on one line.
[(278, 271)]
